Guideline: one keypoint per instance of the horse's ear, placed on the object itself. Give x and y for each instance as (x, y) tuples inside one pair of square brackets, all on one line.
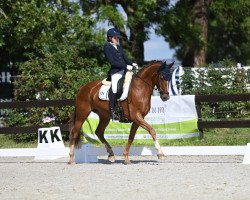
[(162, 67), (171, 64)]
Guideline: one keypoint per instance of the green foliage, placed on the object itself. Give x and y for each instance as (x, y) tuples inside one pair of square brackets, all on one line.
[(54, 50), (178, 28), (35, 28), (52, 78), (229, 31), (110, 13), (55, 77), (218, 78)]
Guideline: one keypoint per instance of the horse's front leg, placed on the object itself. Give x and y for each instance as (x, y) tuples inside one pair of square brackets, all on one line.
[(131, 137), (152, 132)]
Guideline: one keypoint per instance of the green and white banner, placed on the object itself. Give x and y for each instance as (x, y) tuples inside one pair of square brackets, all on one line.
[(176, 118)]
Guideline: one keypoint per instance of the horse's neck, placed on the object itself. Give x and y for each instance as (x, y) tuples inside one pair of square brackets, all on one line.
[(149, 74), (143, 84)]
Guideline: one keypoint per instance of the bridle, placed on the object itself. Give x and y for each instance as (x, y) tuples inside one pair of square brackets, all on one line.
[(158, 77), (163, 74)]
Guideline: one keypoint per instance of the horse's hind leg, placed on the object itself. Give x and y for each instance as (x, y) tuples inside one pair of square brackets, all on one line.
[(103, 123), (75, 132)]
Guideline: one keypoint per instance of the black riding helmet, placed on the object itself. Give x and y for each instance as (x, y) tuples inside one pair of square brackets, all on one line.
[(112, 33)]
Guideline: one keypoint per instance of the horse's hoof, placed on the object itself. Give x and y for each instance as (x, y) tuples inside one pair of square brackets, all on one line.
[(161, 156), (71, 163), (127, 162), (111, 159)]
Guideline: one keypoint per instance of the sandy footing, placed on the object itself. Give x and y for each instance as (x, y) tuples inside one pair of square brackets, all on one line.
[(177, 177)]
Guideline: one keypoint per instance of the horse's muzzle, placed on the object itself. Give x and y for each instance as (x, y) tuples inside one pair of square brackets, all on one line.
[(164, 97)]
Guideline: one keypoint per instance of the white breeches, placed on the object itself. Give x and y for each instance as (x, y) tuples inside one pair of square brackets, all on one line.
[(114, 80)]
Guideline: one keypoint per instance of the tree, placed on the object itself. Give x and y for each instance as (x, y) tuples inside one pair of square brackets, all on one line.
[(44, 39), (185, 28), (200, 18), (204, 31), (34, 28), (229, 31), (54, 50), (140, 17)]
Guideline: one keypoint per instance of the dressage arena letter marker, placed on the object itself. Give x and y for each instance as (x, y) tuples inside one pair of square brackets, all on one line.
[(48, 139), (54, 135), (42, 135)]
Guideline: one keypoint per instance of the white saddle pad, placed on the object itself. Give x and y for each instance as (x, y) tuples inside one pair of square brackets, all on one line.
[(104, 90)]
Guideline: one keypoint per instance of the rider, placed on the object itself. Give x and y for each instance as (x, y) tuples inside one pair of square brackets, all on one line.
[(119, 65)]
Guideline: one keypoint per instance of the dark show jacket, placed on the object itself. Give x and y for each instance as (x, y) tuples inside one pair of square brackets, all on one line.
[(116, 58)]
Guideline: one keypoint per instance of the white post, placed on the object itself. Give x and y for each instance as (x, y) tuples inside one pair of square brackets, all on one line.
[(246, 159)]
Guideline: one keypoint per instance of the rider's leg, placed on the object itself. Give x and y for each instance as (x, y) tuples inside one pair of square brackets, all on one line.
[(112, 100), (112, 92)]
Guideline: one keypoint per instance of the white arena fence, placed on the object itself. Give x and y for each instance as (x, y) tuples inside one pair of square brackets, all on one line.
[(51, 146)]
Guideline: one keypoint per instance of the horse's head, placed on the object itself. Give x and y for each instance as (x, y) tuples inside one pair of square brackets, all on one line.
[(163, 79)]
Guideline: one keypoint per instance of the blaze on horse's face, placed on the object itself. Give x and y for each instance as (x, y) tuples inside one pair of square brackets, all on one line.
[(164, 76)]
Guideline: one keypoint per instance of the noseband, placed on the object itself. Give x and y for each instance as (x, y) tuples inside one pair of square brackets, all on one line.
[(166, 77)]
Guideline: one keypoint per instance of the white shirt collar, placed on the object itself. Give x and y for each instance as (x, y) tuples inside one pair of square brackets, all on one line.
[(114, 45)]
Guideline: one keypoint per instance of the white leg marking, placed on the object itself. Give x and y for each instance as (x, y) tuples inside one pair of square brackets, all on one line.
[(157, 145)]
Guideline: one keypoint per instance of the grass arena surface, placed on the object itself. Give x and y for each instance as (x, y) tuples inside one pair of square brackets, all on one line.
[(177, 177), (212, 137)]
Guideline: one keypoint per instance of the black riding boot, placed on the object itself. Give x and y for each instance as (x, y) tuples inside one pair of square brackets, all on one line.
[(112, 101)]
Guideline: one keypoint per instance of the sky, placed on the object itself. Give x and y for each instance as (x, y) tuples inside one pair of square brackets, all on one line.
[(156, 48)]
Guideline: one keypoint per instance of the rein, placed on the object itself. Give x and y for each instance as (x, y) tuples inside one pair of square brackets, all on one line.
[(135, 75), (163, 73), (143, 80), (128, 102), (147, 82)]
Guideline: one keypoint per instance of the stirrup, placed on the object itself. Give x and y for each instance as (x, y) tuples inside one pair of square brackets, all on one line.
[(114, 116), (125, 120)]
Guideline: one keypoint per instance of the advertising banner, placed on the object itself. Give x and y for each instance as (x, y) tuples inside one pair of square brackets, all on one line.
[(174, 119)]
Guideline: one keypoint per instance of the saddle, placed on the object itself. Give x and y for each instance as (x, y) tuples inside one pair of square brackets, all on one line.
[(122, 87), (122, 93)]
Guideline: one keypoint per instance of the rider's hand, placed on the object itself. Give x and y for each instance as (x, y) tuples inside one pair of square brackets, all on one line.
[(129, 67), (135, 65)]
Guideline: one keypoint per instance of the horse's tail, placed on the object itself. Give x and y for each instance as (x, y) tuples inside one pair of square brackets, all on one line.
[(71, 126)]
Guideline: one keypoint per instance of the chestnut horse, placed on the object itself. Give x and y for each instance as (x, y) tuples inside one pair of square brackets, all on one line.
[(157, 73)]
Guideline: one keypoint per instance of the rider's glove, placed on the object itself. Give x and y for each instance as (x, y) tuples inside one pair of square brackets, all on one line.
[(129, 67), (135, 65)]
